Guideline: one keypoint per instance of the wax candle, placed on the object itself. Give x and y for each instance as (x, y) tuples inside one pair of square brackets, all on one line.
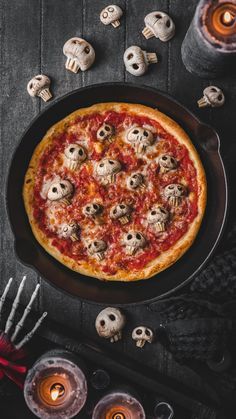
[(119, 405), (209, 47), (56, 386)]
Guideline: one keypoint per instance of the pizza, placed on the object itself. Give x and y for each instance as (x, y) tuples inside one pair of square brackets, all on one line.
[(115, 191)]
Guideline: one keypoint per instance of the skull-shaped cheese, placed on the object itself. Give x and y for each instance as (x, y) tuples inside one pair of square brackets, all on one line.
[(140, 138), (80, 54), (39, 86), (133, 241), (60, 191), (110, 323), (160, 25), (175, 193), (105, 132), (121, 212), (158, 216), (69, 230), (135, 181), (137, 61), (212, 96), (141, 335), (97, 248), (75, 155), (167, 163), (107, 169), (93, 210), (111, 15)]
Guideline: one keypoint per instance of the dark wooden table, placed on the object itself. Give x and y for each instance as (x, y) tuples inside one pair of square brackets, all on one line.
[(33, 33)]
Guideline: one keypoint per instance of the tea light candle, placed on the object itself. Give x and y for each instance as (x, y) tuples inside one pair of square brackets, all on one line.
[(119, 405), (56, 387), (209, 47)]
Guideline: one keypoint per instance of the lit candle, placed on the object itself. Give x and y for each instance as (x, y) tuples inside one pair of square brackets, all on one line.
[(119, 405), (209, 47), (56, 386)]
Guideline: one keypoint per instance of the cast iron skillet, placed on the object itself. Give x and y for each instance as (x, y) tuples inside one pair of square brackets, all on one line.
[(207, 143)]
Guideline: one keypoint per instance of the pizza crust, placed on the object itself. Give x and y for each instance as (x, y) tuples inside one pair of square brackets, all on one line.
[(168, 257)]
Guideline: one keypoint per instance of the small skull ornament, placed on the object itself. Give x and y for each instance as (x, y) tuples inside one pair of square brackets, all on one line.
[(137, 61), (167, 163), (80, 54), (107, 169), (140, 138), (75, 155), (212, 96), (175, 193), (93, 210), (110, 323), (141, 335), (111, 15), (160, 25), (60, 191), (133, 241), (158, 216), (121, 212), (70, 230), (39, 86), (97, 248), (105, 132), (136, 181)]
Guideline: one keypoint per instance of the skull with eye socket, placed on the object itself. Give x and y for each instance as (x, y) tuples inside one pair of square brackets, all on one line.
[(105, 132), (110, 323), (121, 212), (136, 181), (141, 335), (61, 191), (140, 138), (212, 96), (75, 155), (175, 193), (158, 216), (167, 163), (107, 170), (160, 25), (93, 210), (97, 248), (39, 86), (111, 15), (134, 241), (70, 230)]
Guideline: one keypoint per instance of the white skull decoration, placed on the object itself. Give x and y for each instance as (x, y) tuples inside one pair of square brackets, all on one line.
[(158, 216), (160, 25), (111, 15), (167, 163), (97, 248), (133, 241), (93, 210), (137, 61), (140, 138), (75, 155), (107, 169), (105, 132), (60, 191), (135, 181), (39, 86), (141, 335), (80, 54), (110, 323), (212, 96), (121, 212), (175, 193), (69, 230)]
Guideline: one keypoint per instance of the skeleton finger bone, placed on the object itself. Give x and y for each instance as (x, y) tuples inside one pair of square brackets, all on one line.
[(14, 306)]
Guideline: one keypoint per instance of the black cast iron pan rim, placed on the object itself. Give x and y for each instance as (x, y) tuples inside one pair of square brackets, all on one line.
[(220, 233)]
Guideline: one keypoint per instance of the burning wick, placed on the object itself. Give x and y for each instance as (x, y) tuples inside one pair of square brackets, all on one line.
[(227, 18), (56, 391), (118, 416)]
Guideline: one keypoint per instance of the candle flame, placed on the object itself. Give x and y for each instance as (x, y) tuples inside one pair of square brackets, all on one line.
[(227, 17), (54, 394)]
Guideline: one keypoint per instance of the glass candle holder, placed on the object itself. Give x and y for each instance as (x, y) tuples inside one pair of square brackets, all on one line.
[(209, 47), (56, 386)]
